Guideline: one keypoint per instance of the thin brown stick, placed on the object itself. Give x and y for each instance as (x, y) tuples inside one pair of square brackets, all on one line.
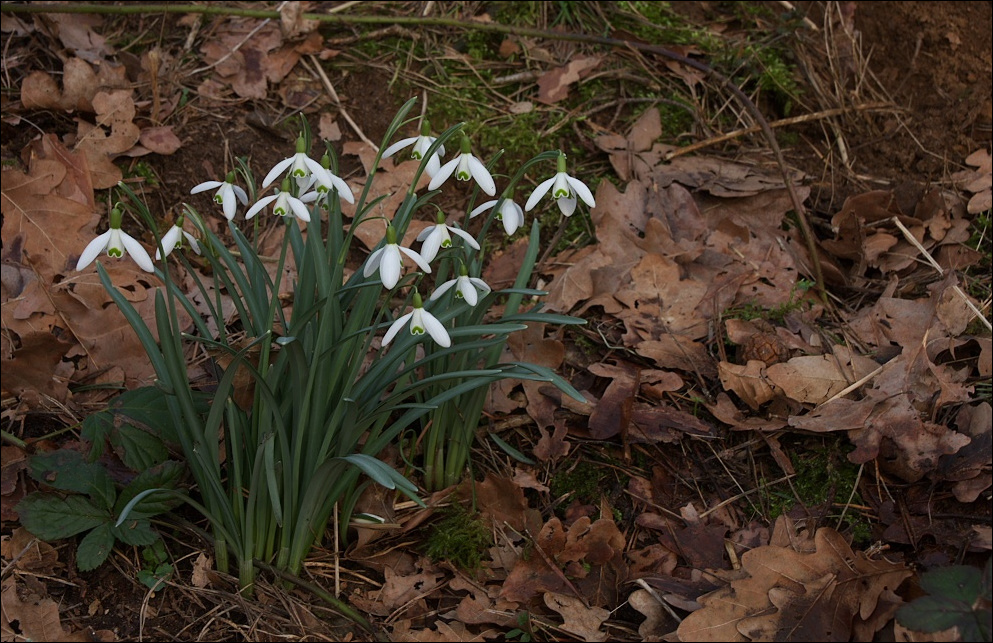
[(784, 122)]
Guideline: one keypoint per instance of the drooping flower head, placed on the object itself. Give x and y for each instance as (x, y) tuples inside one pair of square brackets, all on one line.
[(465, 287), (389, 262), (465, 166), (564, 188), (421, 144), (228, 194), (117, 243), (510, 214), (305, 171), (285, 203), (420, 321), (324, 183), (174, 239), (436, 237)]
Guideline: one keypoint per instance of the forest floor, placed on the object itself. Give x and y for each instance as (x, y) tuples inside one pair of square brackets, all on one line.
[(786, 356)]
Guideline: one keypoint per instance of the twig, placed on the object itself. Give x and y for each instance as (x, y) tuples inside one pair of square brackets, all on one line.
[(743, 494), (344, 609), (807, 22), (661, 601), (854, 385), (927, 255), (235, 48), (784, 122)]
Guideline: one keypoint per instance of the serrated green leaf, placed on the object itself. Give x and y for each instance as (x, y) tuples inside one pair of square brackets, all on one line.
[(153, 580), (94, 548), (148, 408), (988, 579), (933, 614), (51, 517), (957, 582), (163, 476), (135, 531), (979, 628), (96, 429), (68, 470), (137, 447)]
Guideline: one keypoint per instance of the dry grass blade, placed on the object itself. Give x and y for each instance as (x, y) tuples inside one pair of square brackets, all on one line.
[(927, 255)]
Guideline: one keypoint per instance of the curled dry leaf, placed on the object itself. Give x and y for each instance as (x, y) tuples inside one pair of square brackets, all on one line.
[(553, 85), (749, 382), (787, 595), (578, 619)]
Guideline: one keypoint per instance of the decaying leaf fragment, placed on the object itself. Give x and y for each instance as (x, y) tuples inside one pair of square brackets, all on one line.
[(830, 594)]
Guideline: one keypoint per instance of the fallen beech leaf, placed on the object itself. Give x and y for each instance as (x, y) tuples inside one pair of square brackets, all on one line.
[(553, 85), (678, 353), (788, 595), (40, 91), (749, 382), (634, 156), (612, 414), (76, 32), (160, 140), (552, 445), (37, 617), (655, 625), (577, 618), (28, 553), (503, 502), (813, 379), (33, 365)]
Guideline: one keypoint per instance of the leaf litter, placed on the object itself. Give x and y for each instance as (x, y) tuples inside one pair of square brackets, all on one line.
[(680, 245)]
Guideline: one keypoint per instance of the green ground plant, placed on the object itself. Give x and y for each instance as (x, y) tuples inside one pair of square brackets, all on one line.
[(77, 493), (824, 477), (958, 596), (460, 538)]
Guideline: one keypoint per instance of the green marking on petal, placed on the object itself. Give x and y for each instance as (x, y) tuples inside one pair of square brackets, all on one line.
[(115, 252), (463, 176), (415, 155), (416, 330), (299, 173), (560, 194)]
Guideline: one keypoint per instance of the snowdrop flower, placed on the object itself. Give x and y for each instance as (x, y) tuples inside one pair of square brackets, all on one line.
[(510, 214), (228, 194), (420, 321), (174, 239), (117, 243), (565, 189), (421, 144), (389, 262), (465, 287), (465, 166), (436, 237), (302, 168), (327, 181), (286, 203)]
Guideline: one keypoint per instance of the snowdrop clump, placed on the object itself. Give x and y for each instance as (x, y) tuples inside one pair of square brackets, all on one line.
[(345, 371)]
